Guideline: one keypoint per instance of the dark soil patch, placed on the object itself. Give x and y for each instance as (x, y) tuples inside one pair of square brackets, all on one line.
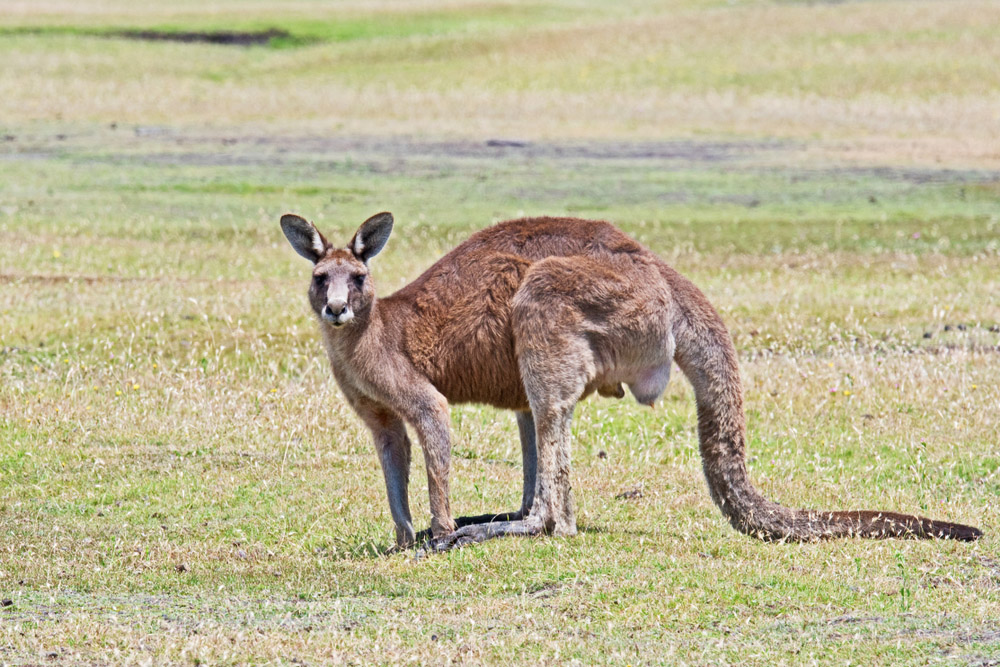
[(912, 175), (376, 152), (688, 151), (221, 37), (224, 37)]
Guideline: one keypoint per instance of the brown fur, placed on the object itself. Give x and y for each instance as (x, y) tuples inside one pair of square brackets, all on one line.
[(533, 315)]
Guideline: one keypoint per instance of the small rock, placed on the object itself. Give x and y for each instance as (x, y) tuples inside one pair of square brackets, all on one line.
[(506, 143), (602, 454), (631, 494), (6, 602), (927, 334), (181, 567)]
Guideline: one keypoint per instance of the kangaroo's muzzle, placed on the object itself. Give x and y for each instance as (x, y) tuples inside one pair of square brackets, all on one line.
[(337, 313)]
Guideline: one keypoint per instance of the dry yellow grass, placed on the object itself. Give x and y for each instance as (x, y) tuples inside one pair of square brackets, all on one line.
[(896, 81)]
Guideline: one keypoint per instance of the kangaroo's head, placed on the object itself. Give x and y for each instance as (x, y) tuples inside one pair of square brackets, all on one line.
[(341, 290)]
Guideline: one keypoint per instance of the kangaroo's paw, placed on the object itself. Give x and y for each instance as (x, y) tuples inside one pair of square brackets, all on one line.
[(480, 532)]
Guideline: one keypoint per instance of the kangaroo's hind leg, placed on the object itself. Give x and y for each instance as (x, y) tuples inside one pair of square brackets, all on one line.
[(529, 459), (548, 501), (556, 364)]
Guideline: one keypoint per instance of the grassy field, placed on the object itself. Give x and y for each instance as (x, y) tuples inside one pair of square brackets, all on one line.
[(181, 481)]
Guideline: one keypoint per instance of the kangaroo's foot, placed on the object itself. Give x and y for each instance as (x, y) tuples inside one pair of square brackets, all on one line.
[(462, 521), (480, 532)]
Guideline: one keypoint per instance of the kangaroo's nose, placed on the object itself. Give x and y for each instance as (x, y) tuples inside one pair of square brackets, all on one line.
[(336, 308)]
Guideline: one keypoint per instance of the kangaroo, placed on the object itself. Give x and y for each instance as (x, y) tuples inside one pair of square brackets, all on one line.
[(534, 315)]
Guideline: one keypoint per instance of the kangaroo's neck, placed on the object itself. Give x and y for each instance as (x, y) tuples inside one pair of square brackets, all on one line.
[(358, 339)]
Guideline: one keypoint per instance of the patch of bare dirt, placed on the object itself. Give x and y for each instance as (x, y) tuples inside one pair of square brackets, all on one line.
[(223, 37), (689, 153)]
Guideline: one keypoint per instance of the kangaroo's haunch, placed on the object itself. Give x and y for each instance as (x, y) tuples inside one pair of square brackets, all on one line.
[(534, 315)]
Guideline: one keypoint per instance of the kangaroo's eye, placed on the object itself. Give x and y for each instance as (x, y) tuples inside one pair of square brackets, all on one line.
[(359, 280)]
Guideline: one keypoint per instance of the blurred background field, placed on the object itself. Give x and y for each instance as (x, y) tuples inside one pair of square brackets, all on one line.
[(180, 480)]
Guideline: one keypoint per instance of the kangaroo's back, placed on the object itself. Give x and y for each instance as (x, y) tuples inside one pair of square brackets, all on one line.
[(529, 239)]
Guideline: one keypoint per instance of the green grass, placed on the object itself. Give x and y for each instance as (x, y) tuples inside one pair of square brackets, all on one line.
[(181, 481), (173, 447)]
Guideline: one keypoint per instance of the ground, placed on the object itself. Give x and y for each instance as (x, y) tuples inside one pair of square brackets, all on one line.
[(180, 480)]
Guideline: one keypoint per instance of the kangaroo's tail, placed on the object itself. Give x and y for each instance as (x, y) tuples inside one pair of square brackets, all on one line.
[(705, 353)]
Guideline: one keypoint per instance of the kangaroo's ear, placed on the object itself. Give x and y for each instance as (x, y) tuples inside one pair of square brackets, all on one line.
[(371, 236), (304, 237)]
